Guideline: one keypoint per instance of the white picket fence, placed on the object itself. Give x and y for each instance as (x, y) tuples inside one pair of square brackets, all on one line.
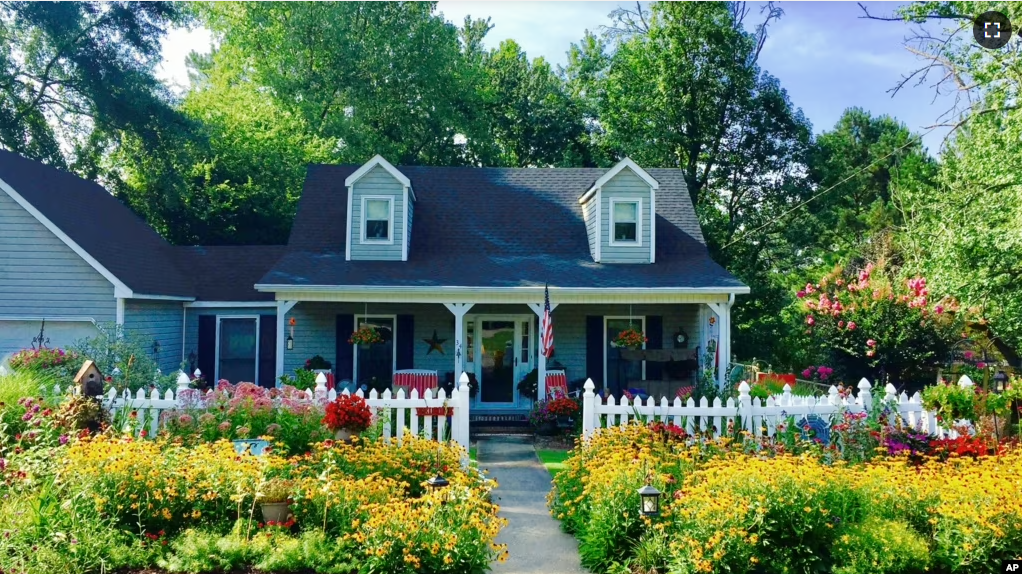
[(761, 418), (399, 412)]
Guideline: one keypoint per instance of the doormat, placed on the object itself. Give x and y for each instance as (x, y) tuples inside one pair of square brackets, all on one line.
[(498, 419)]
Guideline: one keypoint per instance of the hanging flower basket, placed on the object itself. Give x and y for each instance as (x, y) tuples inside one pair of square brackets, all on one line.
[(630, 339), (366, 335)]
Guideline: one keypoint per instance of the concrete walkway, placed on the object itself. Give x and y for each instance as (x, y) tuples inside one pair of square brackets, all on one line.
[(534, 539)]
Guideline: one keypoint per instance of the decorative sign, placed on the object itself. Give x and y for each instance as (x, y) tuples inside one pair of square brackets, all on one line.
[(819, 429), (435, 344)]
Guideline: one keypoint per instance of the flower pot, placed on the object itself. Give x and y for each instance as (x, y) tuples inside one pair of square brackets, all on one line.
[(343, 435), (275, 511), (547, 428), (565, 422)]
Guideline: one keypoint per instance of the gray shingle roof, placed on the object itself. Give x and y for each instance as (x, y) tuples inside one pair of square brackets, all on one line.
[(228, 272), (494, 227), (107, 230)]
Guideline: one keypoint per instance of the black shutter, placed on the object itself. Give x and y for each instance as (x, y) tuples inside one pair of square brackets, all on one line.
[(207, 347), (594, 349), (267, 351), (344, 367), (655, 334), (405, 342)]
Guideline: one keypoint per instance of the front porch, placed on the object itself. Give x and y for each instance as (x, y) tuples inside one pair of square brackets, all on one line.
[(497, 344)]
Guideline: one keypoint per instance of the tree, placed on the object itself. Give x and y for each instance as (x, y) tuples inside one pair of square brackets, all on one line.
[(530, 118), (858, 165), (75, 77), (963, 230)]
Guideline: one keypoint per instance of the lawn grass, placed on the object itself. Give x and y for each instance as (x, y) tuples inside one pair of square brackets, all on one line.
[(552, 459), (472, 454)]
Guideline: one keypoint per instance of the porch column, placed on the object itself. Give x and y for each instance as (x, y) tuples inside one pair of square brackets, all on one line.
[(282, 308), (723, 312), (459, 310), (537, 308)]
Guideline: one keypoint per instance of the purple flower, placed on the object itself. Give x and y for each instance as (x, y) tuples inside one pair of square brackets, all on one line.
[(3, 463), (26, 417), (63, 439)]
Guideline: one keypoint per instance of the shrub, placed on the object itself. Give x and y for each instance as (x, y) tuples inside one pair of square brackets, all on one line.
[(115, 348)]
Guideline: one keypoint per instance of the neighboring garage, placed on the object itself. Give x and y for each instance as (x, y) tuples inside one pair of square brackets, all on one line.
[(18, 335)]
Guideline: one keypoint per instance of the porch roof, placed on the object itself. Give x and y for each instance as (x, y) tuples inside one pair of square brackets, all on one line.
[(494, 228)]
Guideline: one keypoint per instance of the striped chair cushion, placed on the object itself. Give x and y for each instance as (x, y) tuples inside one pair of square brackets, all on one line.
[(418, 379)]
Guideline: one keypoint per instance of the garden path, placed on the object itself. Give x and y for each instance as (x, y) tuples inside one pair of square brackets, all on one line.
[(534, 539)]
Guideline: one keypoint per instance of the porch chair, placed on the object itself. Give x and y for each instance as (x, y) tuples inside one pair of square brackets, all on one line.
[(557, 385), (421, 379)]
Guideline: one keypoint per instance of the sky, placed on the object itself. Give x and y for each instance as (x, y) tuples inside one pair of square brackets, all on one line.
[(825, 54)]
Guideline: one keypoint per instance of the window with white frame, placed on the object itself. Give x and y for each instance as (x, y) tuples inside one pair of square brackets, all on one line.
[(378, 219), (237, 349), (625, 224)]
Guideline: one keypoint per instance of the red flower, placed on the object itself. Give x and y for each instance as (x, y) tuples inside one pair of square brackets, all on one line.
[(348, 412)]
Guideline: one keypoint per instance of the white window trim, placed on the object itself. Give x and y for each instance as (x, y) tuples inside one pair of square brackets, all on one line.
[(354, 347), (638, 223), (216, 367), (477, 342), (390, 229), (606, 342)]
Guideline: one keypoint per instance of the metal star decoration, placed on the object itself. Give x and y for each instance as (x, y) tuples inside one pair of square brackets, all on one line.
[(435, 344)]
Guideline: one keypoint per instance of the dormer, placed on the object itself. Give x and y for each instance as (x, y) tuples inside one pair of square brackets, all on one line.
[(380, 205), (619, 212)]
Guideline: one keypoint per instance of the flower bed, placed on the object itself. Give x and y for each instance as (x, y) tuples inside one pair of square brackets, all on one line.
[(732, 505), (81, 502)]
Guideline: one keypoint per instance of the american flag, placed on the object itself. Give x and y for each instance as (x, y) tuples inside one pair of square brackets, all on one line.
[(547, 328)]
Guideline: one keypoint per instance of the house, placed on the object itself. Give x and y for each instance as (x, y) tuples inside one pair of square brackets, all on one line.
[(460, 290)]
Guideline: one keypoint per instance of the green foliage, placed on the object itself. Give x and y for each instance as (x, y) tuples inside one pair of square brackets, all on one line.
[(18, 385), (880, 546), (116, 348), (950, 402), (59, 63)]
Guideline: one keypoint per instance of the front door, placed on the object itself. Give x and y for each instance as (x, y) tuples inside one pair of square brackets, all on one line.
[(503, 356)]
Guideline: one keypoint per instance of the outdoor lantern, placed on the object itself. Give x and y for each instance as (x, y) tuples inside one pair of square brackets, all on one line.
[(1000, 379), (290, 343), (650, 501), (438, 482)]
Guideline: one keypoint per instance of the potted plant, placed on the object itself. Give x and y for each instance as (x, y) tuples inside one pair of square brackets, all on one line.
[(273, 497), (950, 402), (365, 335), (528, 387), (630, 339), (544, 421), (348, 415), (563, 409)]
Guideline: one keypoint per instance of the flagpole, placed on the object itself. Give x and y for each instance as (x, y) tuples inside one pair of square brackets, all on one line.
[(541, 381)]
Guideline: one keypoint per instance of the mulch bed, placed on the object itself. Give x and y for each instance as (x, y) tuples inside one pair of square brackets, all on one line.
[(563, 442)]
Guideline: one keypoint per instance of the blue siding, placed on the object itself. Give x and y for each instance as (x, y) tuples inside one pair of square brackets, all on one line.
[(148, 321), (316, 324), (40, 276), (589, 215), (625, 185), (378, 182)]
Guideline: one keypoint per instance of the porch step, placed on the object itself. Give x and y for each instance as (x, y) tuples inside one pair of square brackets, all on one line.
[(494, 425)]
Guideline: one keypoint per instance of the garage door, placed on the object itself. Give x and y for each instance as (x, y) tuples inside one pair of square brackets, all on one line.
[(17, 335)]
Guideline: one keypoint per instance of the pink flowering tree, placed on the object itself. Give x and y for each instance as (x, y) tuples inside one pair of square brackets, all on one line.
[(880, 326)]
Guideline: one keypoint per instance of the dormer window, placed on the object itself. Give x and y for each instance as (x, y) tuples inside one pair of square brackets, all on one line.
[(625, 221), (379, 219)]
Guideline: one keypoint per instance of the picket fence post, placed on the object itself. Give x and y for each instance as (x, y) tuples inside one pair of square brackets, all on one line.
[(461, 415), (745, 406), (865, 394), (589, 416)]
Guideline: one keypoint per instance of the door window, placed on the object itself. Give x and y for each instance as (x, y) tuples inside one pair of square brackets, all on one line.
[(237, 349), (497, 358), (374, 364), (620, 372)]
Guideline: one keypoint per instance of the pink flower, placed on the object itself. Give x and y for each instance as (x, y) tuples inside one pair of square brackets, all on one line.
[(851, 325), (871, 343), (810, 321), (800, 294), (185, 420), (939, 309), (870, 353), (840, 324), (808, 372), (224, 426), (981, 365), (968, 355)]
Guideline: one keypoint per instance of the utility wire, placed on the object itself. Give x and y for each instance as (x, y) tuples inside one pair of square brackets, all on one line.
[(910, 141)]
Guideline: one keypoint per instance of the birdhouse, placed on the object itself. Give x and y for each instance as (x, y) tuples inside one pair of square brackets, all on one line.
[(90, 380)]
